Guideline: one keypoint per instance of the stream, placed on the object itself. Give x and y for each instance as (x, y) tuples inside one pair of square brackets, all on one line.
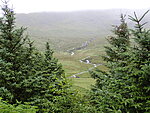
[(83, 46), (76, 75), (86, 60), (72, 53)]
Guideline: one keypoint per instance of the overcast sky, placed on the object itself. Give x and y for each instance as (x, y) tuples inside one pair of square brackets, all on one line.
[(27, 6)]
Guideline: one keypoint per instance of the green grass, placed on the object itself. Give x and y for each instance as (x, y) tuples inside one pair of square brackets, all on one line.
[(72, 65), (82, 85), (83, 82)]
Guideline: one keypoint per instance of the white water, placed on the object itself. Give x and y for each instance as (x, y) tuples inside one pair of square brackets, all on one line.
[(72, 53), (87, 62)]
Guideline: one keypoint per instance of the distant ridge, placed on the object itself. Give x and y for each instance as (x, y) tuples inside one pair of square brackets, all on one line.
[(65, 30)]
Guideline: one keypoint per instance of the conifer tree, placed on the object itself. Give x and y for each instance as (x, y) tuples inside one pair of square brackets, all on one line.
[(50, 84), (26, 75), (125, 87), (119, 42), (139, 68), (106, 94), (14, 57)]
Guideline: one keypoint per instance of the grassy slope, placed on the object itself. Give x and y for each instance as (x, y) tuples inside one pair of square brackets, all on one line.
[(68, 30), (72, 65)]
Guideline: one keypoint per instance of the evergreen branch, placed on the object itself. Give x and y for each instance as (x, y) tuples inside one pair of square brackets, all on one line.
[(131, 18), (143, 15), (144, 24), (136, 18)]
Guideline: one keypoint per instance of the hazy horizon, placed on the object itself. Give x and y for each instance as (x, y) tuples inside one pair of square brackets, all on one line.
[(33, 6)]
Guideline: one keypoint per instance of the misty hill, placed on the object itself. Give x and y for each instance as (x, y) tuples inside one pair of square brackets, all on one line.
[(65, 30)]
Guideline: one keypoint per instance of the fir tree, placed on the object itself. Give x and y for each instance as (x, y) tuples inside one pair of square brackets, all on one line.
[(108, 90), (26, 75), (14, 57), (125, 87), (139, 68)]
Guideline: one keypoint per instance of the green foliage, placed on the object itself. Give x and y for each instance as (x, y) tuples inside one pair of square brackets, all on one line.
[(139, 67), (21, 108), (14, 58), (125, 87), (72, 103), (26, 75)]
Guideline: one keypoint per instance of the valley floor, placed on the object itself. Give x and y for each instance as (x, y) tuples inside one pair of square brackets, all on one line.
[(78, 70)]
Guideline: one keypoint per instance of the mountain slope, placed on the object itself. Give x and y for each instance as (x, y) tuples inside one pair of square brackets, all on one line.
[(65, 30)]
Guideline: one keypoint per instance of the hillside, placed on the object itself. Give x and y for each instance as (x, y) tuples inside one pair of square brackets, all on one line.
[(65, 30), (75, 36)]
